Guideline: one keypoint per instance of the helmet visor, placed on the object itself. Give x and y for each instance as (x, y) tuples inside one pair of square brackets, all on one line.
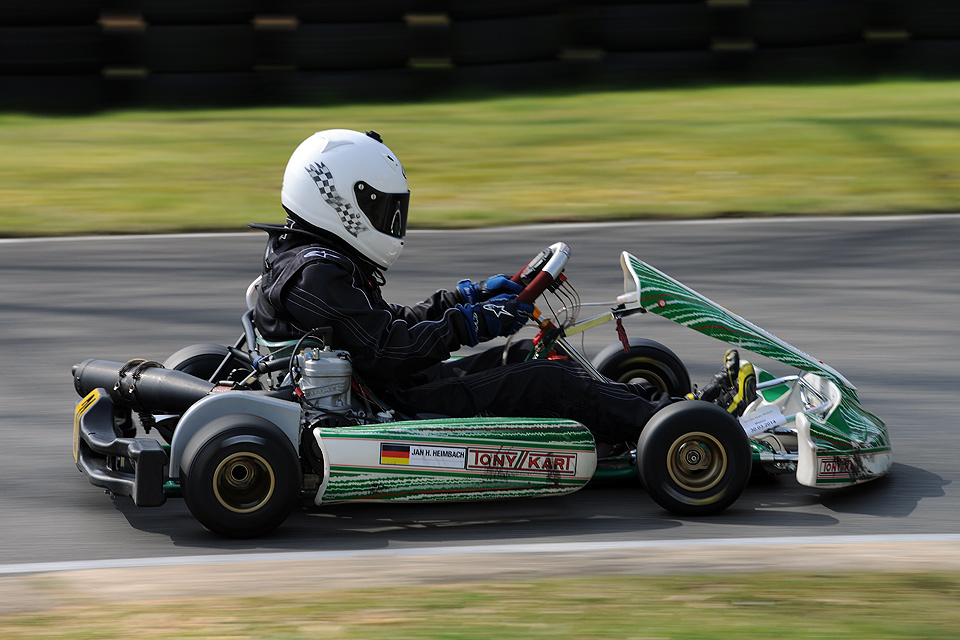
[(387, 212)]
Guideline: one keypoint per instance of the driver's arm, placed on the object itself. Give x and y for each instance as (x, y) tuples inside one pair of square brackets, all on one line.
[(432, 308), (385, 341), (466, 292)]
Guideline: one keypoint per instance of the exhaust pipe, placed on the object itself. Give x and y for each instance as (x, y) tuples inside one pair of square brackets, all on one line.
[(145, 387)]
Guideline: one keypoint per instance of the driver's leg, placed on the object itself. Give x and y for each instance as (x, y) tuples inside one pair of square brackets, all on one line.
[(614, 412)]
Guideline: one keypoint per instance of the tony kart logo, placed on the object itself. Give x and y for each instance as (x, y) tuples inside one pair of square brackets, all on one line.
[(522, 461), (488, 460), (850, 466)]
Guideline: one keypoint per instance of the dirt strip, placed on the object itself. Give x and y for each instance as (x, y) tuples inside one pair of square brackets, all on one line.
[(112, 587)]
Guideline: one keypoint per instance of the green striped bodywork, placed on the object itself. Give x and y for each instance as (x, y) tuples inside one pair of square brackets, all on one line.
[(664, 296), (491, 458), (849, 438)]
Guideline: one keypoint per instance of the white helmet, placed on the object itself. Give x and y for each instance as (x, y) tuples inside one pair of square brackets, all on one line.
[(351, 185)]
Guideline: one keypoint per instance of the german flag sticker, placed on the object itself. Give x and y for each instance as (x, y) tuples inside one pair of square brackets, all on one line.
[(394, 453)]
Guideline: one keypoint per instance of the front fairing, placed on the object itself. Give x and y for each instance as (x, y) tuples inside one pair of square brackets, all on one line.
[(845, 445), (837, 445)]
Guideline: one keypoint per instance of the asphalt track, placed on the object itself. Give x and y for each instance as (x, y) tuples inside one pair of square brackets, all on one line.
[(876, 298)]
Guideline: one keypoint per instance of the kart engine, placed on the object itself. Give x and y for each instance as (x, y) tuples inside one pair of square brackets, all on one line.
[(324, 386)]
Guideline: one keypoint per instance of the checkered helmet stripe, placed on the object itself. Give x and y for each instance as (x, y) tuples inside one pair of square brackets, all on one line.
[(352, 220)]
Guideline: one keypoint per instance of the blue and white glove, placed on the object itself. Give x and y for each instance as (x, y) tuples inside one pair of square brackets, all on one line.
[(474, 292), (501, 315)]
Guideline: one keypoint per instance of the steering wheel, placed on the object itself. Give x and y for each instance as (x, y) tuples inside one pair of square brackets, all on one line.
[(542, 272)]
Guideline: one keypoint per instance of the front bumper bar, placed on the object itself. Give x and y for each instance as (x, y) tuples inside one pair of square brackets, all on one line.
[(134, 467)]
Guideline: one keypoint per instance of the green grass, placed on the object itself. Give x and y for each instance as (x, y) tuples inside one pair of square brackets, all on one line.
[(875, 148), (736, 607)]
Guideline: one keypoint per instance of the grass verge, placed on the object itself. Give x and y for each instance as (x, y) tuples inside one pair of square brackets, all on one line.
[(875, 148), (852, 606)]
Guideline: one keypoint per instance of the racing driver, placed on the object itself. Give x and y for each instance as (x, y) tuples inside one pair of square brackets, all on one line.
[(346, 199)]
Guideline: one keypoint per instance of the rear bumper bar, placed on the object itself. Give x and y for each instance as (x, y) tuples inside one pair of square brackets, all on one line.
[(134, 467)]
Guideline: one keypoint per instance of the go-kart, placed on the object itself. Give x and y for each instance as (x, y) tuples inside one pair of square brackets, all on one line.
[(247, 430)]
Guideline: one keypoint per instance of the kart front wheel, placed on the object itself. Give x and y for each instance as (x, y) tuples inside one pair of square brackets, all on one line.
[(694, 458), (240, 476), (648, 362)]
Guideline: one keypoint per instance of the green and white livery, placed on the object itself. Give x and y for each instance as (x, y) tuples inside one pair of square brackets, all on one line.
[(247, 431), (454, 459), (832, 439)]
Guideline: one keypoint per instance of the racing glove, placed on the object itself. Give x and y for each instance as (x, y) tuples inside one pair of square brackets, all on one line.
[(474, 292), (501, 315)]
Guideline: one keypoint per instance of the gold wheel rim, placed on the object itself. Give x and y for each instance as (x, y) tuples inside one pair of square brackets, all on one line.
[(243, 482), (639, 373), (696, 461)]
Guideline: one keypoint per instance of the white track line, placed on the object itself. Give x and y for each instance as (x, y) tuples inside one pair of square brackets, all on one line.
[(556, 547), (539, 227)]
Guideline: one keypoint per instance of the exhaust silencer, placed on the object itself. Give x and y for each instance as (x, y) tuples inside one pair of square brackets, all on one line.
[(141, 385)]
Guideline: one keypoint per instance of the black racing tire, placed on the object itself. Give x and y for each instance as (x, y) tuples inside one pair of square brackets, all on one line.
[(931, 58), (799, 23), (202, 361), (485, 9), (506, 40), (648, 362), (343, 11), (812, 61), (372, 45), (931, 19), (199, 360), (240, 476), (200, 48), (694, 458), (194, 90), (51, 50), (649, 27), (52, 94), (196, 12), (49, 13)]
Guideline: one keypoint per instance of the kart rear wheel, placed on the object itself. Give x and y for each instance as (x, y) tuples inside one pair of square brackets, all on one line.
[(694, 458), (240, 476), (648, 362), (199, 360), (202, 361)]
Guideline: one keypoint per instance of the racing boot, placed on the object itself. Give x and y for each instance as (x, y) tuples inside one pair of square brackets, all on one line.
[(733, 387)]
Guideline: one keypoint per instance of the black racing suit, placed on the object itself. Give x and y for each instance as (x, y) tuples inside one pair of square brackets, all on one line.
[(400, 352)]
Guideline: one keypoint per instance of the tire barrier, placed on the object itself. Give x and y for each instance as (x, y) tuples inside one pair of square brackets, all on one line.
[(343, 11), (376, 45), (50, 50), (49, 13), (336, 50), (487, 9), (51, 54), (198, 12), (791, 64), (650, 27), (86, 54), (199, 48), (506, 40), (930, 58), (798, 23), (932, 19)]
